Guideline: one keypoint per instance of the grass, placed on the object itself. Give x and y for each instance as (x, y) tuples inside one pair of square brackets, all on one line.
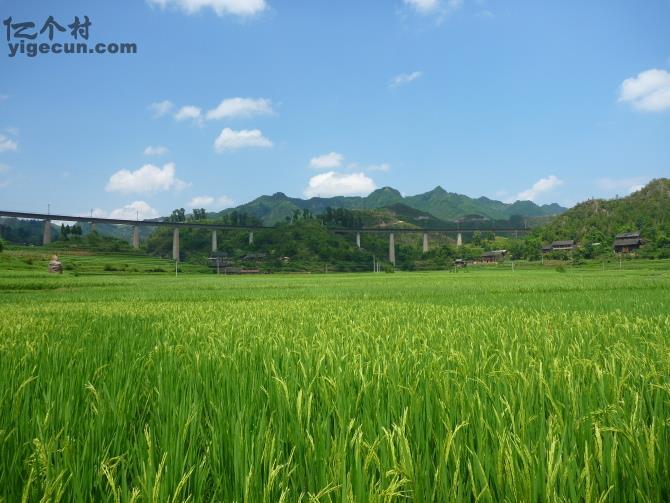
[(489, 385)]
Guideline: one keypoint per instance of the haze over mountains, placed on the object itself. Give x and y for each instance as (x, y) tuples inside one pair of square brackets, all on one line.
[(438, 202)]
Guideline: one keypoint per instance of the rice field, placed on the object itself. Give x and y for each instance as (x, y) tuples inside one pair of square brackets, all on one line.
[(482, 386)]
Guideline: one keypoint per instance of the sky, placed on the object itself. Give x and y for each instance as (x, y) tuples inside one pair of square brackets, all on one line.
[(227, 100)]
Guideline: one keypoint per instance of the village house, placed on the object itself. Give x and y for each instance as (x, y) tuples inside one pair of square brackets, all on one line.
[(566, 245), (493, 256), (627, 242)]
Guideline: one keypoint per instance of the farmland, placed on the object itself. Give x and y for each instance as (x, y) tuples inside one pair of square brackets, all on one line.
[(488, 385)]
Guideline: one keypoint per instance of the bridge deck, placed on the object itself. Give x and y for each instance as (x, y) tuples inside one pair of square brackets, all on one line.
[(212, 226)]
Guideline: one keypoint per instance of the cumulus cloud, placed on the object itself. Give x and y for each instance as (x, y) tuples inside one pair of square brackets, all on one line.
[(242, 8), (161, 108), (135, 210), (220, 202), (648, 92), (626, 185), (229, 139), (7, 143), (339, 184), (232, 108), (540, 187), (157, 150), (404, 78), (326, 161), (188, 112), (146, 180)]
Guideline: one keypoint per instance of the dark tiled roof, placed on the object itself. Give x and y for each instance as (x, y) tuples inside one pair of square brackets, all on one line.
[(628, 235), (569, 242)]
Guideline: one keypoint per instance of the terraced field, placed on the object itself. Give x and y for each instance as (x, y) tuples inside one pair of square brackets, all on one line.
[(481, 386)]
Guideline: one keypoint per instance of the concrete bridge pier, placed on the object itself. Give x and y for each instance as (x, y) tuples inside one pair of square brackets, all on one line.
[(425, 242), (175, 244), (358, 239), (215, 245), (136, 236), (251, 238), (392, 248), (46, 234), (459, 240)]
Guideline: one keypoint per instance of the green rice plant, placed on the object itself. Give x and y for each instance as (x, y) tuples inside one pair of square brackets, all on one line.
[(490, 386)]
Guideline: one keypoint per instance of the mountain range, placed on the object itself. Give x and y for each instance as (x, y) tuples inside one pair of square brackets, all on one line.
[(438, 203)]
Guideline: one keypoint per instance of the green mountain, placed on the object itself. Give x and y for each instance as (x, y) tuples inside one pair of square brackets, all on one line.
[(438, 203), (599, 220)]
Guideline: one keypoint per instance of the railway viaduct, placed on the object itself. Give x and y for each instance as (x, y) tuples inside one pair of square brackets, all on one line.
[(47, 218)]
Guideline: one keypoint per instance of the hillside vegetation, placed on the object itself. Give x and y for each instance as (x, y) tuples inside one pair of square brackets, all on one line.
[(599, 220)]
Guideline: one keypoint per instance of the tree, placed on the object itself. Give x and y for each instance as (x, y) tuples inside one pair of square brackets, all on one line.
[(199, 214), (477, 238), (533, 248), (2, 245), (178, 215), (517, 249)]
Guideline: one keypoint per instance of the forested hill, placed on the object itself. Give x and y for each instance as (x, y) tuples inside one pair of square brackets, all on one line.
[(438, 202), (598, 220)]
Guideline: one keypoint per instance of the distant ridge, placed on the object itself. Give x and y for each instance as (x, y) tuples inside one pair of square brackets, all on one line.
[(438, 203)]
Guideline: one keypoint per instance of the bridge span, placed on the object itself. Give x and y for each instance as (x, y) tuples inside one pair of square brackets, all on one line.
[(47, 218)]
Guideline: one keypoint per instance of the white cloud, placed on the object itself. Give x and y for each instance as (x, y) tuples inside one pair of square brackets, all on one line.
[(229, 139), (210, 202), (157, 150), (240, 107), (220, 7), (98, 213), (161, 108), (626, 185), (423, 6), (326, 161), (540, 187), (338, 184), (648, 92), (442, 7), (188, 112), (147, 179), (135, 210), (404, 78), (7, 143)]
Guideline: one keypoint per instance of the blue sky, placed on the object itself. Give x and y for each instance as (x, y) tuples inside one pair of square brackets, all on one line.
[(226, 100)]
